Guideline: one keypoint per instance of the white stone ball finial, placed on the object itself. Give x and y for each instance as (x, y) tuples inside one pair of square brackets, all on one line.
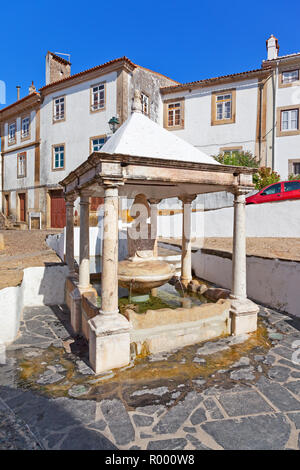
[(137, 102)]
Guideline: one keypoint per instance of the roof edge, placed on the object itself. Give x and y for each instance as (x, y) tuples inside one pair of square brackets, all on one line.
[(86, 72), (210, 81)]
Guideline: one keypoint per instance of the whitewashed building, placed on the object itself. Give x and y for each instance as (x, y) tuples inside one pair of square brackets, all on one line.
[(46, 135)]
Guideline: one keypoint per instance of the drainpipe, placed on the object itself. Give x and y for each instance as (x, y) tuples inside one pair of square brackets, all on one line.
[(260, 122), (274, 83)]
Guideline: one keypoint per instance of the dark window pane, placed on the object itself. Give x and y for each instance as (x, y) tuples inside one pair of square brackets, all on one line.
[(274, 189), (291, 185)]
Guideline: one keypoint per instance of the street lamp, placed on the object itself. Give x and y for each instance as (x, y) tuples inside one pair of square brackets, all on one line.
[(113, 124)]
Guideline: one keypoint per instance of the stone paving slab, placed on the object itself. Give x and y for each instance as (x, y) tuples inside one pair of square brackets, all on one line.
[(50, 398)]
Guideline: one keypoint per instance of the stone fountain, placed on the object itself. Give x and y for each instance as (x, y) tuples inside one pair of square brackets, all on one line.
[(142, 271)]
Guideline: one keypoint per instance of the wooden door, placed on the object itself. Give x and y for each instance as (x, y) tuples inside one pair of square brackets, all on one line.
[(58, 209), (22, 206), (96, 202)]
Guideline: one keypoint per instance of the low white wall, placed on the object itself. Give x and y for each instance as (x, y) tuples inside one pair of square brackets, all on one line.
[(57, 242), (277, 219), (272, 282), (40, 286)]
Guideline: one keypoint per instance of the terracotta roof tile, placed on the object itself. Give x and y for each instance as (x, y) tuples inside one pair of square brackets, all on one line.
[(213, 79), (19, 101), (83, 72)]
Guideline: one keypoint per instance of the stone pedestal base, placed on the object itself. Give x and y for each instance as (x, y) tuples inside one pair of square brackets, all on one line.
[(75, 309), (109, 342), (243, 316)]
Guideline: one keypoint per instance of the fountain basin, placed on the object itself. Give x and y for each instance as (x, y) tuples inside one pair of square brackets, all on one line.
[(142, 275)]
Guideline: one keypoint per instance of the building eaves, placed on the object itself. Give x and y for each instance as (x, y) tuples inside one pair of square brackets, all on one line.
[(215, 80)]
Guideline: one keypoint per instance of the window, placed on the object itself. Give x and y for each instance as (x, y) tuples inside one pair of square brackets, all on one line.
[(21, 165), (274, 189), (25, 121), (98, 97), (223, 103), (174, 114), (97, 143), (59, 109), (231, 151), (12, 133), (290, 76), (145, 104), (289, 119), (296, 168), (58, 157), (292, 186)]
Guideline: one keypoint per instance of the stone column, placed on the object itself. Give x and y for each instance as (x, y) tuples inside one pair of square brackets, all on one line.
[(70, 234), (186, 250), (239, 248), (243, 310), (84, 245), (109, 277), (154, 223), (109, 339), (154, 227)]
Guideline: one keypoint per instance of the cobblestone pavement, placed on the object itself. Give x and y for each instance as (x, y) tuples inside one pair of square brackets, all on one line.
[(231, 393)]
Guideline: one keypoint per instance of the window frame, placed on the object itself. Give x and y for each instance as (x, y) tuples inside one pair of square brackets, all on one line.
[(167, 103), (54, 120), (104, 136), (14, 141), (53, 157), (283, 84), (214, 113), (92, 96), (26, 137), (148, 103), (231, 149), (19, 155), (291, 163), (288, 132)]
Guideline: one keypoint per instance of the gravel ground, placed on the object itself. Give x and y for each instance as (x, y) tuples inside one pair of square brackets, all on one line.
[(284, 248), (23, 249)]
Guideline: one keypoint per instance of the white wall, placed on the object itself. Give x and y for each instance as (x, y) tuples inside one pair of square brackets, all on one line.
[(40, 286), (278, 219), (198, 129), (77, 128), (58, 244), (271, 282), (286, 147)]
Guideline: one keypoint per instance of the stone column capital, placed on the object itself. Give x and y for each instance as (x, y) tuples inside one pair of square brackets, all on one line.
[(239, 191), (187, 198), (70, 199), (154, 201)]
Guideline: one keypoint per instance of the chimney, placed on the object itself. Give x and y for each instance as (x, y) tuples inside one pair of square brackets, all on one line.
[(32, 88), (18, 92), (272, 47), (57, 68)]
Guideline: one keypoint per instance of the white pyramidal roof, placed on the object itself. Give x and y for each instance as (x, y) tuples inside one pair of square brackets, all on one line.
[(139, 136)]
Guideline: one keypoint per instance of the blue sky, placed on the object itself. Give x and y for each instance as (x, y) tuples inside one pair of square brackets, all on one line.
[(185, 40)]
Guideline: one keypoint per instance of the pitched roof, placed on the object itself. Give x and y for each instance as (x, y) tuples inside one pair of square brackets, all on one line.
[(100, 67), (139, 136), (22, 101), (210, 81), (83, 72)]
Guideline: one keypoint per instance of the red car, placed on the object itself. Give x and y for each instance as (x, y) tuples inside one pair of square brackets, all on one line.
[(276, 192)]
